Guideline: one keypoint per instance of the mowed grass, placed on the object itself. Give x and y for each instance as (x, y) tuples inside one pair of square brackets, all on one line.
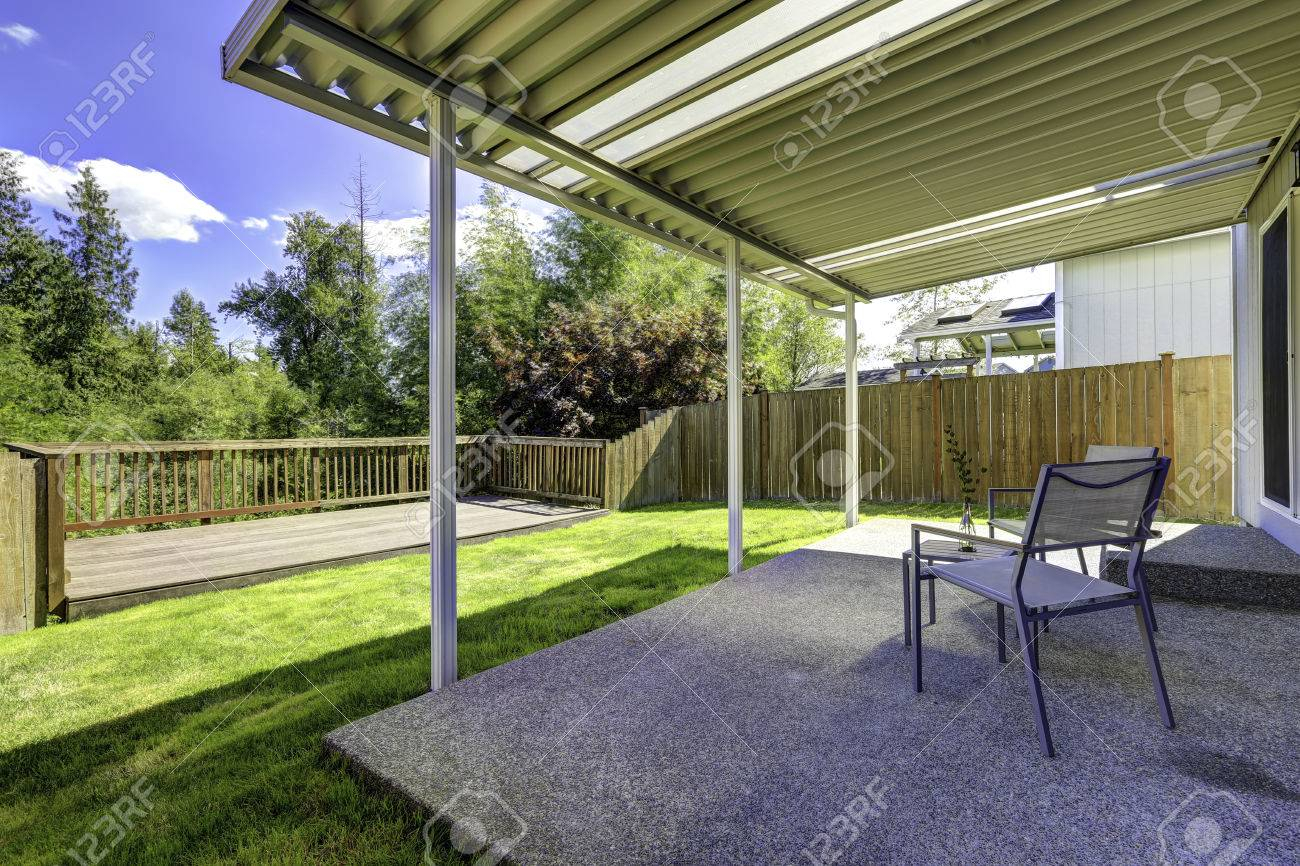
[(218, 702)]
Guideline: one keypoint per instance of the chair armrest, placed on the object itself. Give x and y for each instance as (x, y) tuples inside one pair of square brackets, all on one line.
[(918, 528), (995, 491)]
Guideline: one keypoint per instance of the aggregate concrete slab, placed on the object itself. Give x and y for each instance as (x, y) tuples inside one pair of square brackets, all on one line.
[(1239, 565), (770, 719)]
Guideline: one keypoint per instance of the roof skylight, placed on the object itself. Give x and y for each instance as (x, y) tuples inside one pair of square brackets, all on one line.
[(964, 313), (1025, 305)]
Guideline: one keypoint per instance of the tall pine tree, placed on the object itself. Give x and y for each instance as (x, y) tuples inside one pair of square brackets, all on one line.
[(192, 334), (98, 248), (24, 250)]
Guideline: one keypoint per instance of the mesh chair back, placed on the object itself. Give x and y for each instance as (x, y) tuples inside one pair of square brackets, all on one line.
[(1095, 503), (1098, 453)]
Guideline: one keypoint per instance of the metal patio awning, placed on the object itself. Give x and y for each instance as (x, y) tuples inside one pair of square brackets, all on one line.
[(875, 146)]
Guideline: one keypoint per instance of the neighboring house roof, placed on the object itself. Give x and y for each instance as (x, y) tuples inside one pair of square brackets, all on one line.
[(1019, 326), (882, 376)]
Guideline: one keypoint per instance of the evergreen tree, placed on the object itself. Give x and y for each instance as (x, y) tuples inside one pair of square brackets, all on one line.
[(85, 285), (192, 332), (24, 250), (98, 249)]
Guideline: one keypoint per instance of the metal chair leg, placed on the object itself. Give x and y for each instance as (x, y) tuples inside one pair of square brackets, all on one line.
[(932, 601), (907, 600), (1002, 634), (1145, 595), (1153, 663), (1083, 563), (1030, 661), (916, 626)]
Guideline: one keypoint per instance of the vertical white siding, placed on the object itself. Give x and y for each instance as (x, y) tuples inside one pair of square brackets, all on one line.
[(1132, 304)]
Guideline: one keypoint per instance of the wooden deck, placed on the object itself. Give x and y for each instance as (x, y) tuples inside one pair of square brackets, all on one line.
[(112, 572)]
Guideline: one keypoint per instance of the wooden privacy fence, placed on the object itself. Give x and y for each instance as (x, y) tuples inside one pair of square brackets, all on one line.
[(793, 442), (93, 486)]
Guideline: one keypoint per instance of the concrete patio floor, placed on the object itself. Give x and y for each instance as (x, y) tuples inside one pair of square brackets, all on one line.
[(770, 719)]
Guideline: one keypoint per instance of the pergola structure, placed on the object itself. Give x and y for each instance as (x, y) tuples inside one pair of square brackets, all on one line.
[(999, 328), (841, 149)]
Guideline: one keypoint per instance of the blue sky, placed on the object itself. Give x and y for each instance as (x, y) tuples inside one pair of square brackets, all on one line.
[(199, 168), (219, 148)]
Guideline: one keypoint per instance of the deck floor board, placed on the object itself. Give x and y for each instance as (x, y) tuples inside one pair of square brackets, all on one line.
[(141, 562)]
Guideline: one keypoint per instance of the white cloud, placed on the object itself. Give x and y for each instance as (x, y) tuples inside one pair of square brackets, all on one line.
[(20, 33), (395, 237), (468, 217), (151, 205), (257, 224)]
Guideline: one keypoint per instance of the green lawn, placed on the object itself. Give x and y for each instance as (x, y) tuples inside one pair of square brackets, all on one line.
[(212, 707)]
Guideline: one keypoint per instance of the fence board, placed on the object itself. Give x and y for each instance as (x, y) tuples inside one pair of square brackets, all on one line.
[(1011, 424)]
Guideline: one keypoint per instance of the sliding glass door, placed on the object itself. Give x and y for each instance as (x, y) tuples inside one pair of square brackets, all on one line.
[(1276, 347)]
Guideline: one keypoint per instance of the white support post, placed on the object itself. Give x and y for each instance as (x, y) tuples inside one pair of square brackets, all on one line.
[(852, 437), (988, 354), (735, 461), (442, 391)]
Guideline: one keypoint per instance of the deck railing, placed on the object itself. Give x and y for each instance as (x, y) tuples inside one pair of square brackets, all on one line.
[(86, 486), (106, 485)]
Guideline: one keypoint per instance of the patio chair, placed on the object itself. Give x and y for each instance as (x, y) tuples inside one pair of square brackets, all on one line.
[(1094, 454), (1075, 505)]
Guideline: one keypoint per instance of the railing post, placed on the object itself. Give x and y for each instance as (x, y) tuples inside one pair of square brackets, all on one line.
[(50, 536), (205, 485), (403, 469), (17, 543), (315, 476)]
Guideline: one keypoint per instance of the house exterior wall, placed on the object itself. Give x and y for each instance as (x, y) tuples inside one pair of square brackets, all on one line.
[(1247, 369), (1130, 305)]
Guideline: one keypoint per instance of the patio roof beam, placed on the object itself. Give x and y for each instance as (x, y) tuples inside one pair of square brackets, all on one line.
[(311, 28), (294, 91), (928, 363), (494, 171)]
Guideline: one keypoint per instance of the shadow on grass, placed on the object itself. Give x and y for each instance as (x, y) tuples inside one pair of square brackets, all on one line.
[(239, 773)]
